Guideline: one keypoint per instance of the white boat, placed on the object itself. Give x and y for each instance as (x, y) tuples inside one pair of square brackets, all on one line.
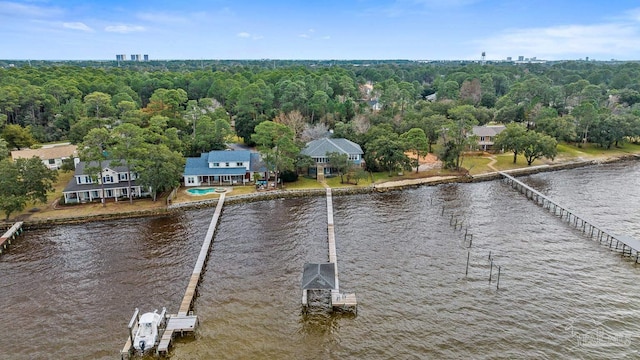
[(147, 333)]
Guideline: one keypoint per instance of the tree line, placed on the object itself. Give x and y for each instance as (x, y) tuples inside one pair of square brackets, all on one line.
[(192, 107)]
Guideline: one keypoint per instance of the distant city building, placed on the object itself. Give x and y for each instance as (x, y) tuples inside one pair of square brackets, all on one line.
[(121, 57), (520, 58), (136, 57), (146, 57), (508, 58)]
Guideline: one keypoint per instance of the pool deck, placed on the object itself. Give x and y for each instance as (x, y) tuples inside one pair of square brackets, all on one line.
[(202, 191)]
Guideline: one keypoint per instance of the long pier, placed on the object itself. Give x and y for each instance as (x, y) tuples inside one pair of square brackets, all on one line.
[(184, 321), (5, 239), (626, 244), (338, 300)]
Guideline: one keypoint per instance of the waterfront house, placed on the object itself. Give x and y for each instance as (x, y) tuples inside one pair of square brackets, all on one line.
[(486, 135), (223, 167), (85, 188), (51, 155), (319, 149)]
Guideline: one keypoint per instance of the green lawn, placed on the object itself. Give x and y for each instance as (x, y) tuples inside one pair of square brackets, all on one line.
[(303, 182), (505, 162), (476, 164), (595, 150)]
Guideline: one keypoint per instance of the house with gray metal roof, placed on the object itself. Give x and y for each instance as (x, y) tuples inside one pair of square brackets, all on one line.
[(319, 149), (223, 167), (114, 184)]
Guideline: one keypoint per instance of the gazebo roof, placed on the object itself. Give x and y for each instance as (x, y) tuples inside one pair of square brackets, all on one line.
[(319, 276)]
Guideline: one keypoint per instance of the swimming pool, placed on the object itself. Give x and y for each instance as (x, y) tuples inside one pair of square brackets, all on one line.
[(205, 191)]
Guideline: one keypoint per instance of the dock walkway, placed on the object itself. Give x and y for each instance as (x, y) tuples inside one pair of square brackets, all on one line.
[(5, 239), (185, 321), (626, 244), (338, 300)]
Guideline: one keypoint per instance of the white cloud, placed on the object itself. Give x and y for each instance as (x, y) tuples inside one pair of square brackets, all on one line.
[(634, 14), (124, 29), (555, 41), (327, 37), (246, 35), (18, 9), (77, 26), (304, 36)]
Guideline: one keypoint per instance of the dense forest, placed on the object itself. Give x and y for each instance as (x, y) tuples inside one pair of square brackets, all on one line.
[(188, 107)]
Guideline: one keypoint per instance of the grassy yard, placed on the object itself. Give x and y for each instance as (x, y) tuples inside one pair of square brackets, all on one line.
[(303, 182), (475, 164), (595, 151), (51, 210)]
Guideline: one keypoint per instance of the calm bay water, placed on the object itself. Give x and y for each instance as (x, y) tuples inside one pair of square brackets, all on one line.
[(69, 292)]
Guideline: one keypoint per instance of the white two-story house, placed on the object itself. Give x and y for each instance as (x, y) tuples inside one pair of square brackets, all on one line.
[(223, 167), (84, 188)]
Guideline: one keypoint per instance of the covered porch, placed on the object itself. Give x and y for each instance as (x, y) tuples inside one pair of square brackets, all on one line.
[(89, 195)]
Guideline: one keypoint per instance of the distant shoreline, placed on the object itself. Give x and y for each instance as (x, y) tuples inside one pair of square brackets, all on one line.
[(280, 194)]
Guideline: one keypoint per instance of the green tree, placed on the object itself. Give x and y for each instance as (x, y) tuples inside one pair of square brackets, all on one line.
[(433, 128), (455, 135), (450, 154), (562, 128), (511, 139), (449, 90), (4, 149), (18, 137), (98, 105), (318, 104), (12, 195), (161, 169), (94, 151), (211, 135), (356, 173), (536, 145), (167, 103), (585, 115), (22, 181), (387, 151), (340, 163), (277, 145), (128, 150), (36, 179), (416, 141), (612, 129)]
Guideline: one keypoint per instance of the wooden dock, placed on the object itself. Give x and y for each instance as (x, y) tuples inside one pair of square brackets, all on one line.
[(185, 322), (626, 244), (338, 300), (9, 235)]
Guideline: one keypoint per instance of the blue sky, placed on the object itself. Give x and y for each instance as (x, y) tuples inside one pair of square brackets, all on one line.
[(313, 29)]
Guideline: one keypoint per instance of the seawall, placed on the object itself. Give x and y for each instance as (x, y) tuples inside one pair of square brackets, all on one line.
[(282, 194)]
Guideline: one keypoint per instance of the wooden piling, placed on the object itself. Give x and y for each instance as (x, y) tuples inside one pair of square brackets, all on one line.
[(466, 272)]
